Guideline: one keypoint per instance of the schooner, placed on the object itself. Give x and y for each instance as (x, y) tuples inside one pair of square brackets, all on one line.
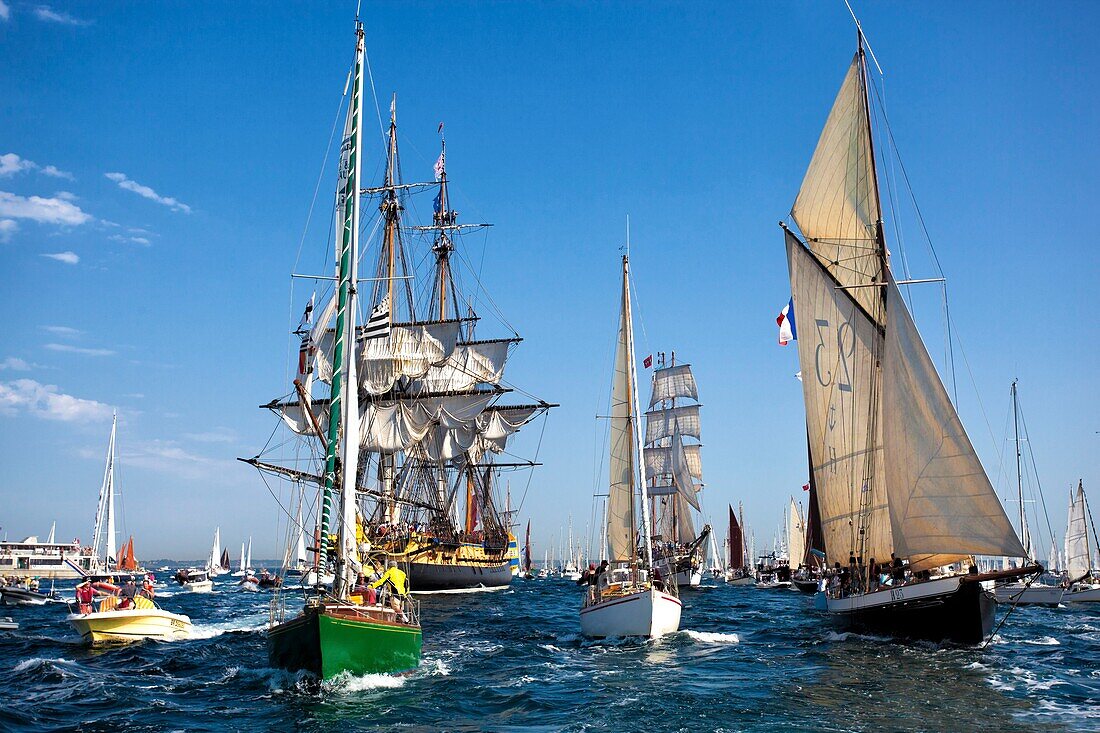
[(630, 598), (892, 467)]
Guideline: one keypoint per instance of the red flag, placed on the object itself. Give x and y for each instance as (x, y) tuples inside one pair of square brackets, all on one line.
[(805, 487), (648, 361)]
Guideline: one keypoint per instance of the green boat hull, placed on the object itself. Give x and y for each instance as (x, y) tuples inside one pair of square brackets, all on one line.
[(327, 644)]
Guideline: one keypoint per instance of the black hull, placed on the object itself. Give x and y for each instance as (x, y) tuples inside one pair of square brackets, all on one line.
[(809, 587), (964, 616), (431, 576), (296, 645)]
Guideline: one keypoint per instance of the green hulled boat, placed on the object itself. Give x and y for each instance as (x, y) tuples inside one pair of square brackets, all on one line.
[(343, 628), (330, 638)]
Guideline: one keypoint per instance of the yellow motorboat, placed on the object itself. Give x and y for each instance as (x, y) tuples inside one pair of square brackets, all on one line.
[(144, 620)]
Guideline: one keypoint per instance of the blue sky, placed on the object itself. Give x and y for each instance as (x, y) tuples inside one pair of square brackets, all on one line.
[(160, 162)]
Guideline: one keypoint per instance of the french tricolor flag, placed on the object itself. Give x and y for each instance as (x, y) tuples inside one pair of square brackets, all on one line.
[(787, 330)]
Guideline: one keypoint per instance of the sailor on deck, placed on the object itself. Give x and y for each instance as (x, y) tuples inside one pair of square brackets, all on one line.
[(395, 582)]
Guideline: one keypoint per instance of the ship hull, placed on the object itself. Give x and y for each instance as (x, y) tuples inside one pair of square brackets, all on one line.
[(648, 613), (130, 625), (1036, 595), (429, 576), (327, 644), (946, 609), (23, 597), (1087, 594), (809, 587)]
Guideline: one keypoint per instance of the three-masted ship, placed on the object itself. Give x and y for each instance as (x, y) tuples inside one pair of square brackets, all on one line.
[(892, 467), (674, 466)]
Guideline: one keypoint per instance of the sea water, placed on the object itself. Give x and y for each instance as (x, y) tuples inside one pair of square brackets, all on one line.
[(514, 660)]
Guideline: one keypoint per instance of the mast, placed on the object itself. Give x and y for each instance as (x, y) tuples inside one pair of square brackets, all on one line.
[(1025, 535), (635, 408), (112, 549)]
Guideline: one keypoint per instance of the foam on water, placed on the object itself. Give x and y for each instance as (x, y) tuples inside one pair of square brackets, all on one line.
[(710, 637)]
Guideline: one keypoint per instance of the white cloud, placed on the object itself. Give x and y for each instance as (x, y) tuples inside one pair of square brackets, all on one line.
[(48, 14), (15, 364), (135, 240), (8, 227), (10, 164), (125, 183), (69, 258), (45, 401), (70, 349), (65, 331), (169, 457), (5, 11), (55, 172), (45, 210), (217, 435)]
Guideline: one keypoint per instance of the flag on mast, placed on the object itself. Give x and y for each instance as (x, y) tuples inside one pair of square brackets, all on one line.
[(787, 330), (378, 325), (440, 166)]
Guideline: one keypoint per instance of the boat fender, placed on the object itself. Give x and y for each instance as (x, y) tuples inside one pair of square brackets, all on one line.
[(105, 587)]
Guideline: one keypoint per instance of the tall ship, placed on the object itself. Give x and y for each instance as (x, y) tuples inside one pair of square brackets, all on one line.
[(893, 468), (674, 466), (434, 416)]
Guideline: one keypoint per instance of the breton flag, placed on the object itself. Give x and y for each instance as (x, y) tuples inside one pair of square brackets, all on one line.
[(439, 167), (648, 361), (378, 325), (787, 330)]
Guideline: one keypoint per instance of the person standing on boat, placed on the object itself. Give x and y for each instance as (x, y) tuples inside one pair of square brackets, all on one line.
[(85, 593), (393, 582)]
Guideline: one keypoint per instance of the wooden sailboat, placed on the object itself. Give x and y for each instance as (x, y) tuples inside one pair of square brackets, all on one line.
[(892, 465), (629, 599), (348, 629), (673, 465), (737, 573)]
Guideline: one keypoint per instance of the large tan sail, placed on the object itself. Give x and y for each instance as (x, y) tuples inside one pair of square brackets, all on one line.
[(796, 536), (838, 350), (838, 207), (942, 506), (620, 501)]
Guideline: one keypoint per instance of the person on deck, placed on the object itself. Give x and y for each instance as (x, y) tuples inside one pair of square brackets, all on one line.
[(897, 570), (85, 593), (394, 585)]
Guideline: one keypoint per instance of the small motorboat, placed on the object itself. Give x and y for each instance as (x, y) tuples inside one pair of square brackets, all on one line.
[(267, 580), (143, 620), (1028, 594), (6, 624), (194, 580), (23, 596)]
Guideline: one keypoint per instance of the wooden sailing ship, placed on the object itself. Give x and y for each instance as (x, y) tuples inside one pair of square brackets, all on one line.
[(892, 466)]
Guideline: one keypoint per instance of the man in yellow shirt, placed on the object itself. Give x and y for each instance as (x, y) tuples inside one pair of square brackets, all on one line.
[(392, 581)]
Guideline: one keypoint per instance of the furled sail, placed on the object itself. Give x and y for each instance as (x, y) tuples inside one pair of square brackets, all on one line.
[(622, 425), (1078, 557), (839, 348), (673, 382), (409, 350), (469, 365), (662, 423), (942, 506), (659, 460), (796, 536), (439, 428), (838, 206)]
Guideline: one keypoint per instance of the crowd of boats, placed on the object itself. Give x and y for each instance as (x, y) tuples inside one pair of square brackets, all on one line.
[(399, 418)]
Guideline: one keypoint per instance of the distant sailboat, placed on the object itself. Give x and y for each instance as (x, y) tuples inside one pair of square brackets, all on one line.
[(242, 566), (892, 465), (627, 600), (737, 573), (214, 564), (1081, 574)]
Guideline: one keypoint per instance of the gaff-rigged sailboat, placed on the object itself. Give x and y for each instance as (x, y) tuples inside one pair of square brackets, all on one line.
[(628, 600), (737, 573), (673, 465), (892, 465)]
